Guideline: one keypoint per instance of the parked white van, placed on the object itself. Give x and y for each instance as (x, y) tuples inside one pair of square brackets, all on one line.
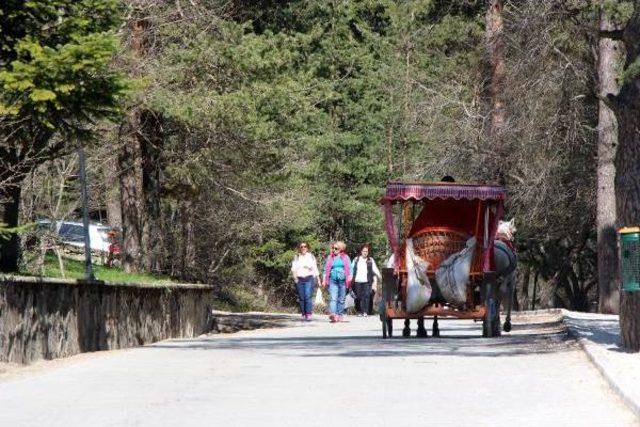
[(72, 234)]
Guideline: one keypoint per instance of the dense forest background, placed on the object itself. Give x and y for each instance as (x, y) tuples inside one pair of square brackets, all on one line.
[(242, 128)]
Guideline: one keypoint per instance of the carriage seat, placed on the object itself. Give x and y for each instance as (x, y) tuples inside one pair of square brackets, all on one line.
[(436, 244)]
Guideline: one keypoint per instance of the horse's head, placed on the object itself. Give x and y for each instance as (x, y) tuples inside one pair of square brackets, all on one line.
[(507, 229)]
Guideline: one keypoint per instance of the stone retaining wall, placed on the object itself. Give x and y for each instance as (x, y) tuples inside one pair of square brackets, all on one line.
[(49, 318)]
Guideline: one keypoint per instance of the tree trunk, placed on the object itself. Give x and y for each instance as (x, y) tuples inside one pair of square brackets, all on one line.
[(535, 289), (112, 194), (495, 49), (10, 246), (140, 169), (628, 202), (609, 59), (629, 320), (390, 151), (188, 249), (140, 191), (526, 277), (151, 141), (627, 108), (130, 196)]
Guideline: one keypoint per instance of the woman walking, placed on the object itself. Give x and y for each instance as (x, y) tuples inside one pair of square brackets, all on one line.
[(337, 275), (364, 271), (305, 271)]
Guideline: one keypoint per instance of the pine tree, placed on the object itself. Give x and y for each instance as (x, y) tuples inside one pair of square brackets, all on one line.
[(56, 81)]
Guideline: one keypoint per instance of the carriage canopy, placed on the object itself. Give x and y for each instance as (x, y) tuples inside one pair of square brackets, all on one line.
[(470, 208)]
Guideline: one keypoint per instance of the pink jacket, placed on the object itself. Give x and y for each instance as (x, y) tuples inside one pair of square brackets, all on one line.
[(347, 268)]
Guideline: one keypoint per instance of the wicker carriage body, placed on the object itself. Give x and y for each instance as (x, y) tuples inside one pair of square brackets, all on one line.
[(436, 244)]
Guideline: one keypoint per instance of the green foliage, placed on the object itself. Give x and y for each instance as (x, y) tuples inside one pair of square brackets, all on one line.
[(306, 109), (282, 121), (239, 299), (273, 257), (5, 231), (56, 81), (57, 87), (618, 11), (55, 74), (631, 71)]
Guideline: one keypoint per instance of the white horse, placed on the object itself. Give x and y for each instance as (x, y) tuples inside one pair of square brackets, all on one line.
[(506, 261)]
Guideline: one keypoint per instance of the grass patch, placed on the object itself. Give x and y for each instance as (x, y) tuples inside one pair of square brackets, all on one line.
[(74, 269)]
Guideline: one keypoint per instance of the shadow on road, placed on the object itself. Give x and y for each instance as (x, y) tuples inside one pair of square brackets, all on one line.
[(605, 332), (538, 340)]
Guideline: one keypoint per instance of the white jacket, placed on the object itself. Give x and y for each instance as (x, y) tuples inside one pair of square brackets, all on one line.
[(304, 266)]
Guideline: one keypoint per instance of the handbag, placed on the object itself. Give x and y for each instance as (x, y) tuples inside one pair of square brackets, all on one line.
[(318, 301)]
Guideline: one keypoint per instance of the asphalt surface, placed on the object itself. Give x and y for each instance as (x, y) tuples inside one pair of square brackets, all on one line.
[(322, 374)]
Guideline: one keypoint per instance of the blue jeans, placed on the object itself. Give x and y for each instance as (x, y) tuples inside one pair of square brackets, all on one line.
[(305, 289), (337, 294)]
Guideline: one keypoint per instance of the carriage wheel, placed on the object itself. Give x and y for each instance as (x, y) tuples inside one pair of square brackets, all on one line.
[(384, 329), (436, 328), (387, 327), (421, 332), (406, 331)]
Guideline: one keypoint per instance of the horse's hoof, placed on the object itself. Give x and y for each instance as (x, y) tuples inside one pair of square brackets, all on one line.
[(507, 327)]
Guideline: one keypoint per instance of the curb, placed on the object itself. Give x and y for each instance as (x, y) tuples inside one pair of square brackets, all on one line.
[(539, 311), (585, 345)]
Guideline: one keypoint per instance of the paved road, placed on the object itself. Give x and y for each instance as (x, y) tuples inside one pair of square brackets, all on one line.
[(319, 374)]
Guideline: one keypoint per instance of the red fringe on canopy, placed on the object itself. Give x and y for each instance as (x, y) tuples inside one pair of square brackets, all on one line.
[(399, 192)]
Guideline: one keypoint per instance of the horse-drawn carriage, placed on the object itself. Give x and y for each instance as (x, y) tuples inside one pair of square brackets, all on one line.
[(436, 223)]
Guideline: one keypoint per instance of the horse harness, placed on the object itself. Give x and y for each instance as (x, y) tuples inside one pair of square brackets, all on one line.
[(511, 255)]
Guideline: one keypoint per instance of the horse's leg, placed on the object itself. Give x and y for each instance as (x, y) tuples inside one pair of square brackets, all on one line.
[(506, 262), (436, 329), (406, 331), (510, 288), (421, 332)]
